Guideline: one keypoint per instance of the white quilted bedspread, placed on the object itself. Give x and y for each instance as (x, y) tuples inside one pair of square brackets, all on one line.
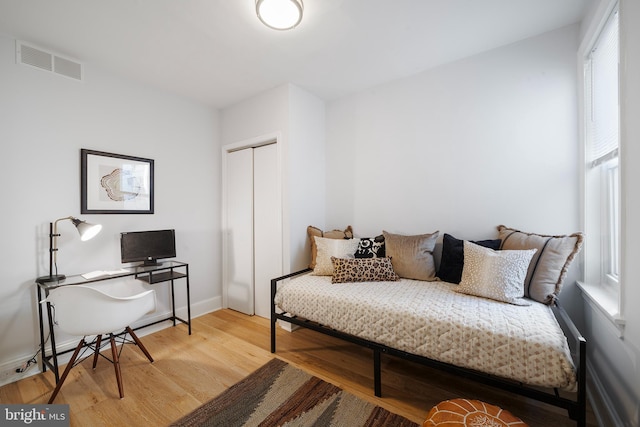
[(522, 343)]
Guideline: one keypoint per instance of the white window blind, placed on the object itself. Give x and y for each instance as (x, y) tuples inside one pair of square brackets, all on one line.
[(602, 89), (602, 120)]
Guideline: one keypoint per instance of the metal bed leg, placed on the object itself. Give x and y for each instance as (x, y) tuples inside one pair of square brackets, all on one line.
[(377, 376), (274, 284)]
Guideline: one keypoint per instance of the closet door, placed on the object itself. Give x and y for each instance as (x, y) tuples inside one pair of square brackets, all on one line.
[(267, 224), (239, 239), (253, 241)]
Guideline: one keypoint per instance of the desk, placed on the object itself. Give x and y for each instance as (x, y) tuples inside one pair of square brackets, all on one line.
[(165, 272)]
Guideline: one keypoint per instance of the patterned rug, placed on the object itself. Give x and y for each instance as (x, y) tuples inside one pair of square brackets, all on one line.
[(278, 394)]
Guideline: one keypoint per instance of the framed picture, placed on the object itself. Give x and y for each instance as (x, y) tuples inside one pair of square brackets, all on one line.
[(113, 183)]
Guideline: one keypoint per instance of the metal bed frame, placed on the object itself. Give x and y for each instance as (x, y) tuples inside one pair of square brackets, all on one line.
[(577, 344)]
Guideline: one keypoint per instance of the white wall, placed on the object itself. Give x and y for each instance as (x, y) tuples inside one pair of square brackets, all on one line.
[(45, 121), (263, 114), (307, 171), (630, 134), (462, 148)]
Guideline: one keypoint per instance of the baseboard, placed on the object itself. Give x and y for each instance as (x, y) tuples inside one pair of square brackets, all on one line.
[(8, 372), (603, 409)]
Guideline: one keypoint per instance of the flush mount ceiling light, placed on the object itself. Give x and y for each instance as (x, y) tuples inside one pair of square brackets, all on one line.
[(279, 14)]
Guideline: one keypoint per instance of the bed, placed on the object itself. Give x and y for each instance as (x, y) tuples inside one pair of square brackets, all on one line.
[(528, 346)]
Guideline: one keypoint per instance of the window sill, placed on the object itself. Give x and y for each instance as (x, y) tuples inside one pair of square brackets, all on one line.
[(605, 301)]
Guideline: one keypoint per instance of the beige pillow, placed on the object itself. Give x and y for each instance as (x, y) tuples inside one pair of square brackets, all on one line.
[(498, 275), (377, 269), (549, 265), (327, 248), (412, 256), (312, 231)]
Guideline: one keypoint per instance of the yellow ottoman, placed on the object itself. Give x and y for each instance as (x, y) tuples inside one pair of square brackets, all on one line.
[(464, 412)]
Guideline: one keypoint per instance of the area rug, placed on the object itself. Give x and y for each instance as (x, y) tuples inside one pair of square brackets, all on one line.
[(278, 394)]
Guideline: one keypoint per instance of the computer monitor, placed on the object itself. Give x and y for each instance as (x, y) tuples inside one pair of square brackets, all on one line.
[(147, 246)]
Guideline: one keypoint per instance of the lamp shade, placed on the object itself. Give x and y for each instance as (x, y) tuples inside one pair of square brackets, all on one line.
[(87, 231), (279, 14)]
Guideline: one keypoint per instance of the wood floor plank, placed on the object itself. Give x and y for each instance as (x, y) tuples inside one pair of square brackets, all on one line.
[(224, 348)]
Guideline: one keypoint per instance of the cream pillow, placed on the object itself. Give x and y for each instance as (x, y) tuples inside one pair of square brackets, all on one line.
[(327, 248), (312, 231), (498, 275)]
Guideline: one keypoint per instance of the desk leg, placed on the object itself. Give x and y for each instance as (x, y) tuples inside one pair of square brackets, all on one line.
[(173, 304), (54, 352), (41, 322)]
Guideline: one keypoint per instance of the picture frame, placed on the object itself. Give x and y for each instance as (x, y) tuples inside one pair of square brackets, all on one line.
[(115, 183)]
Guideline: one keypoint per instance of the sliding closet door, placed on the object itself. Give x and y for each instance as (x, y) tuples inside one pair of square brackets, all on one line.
[(239, 238), (267, 223), (253, 240)]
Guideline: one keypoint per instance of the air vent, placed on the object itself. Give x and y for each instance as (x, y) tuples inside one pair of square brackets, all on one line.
[(47, 61), (67, 68)]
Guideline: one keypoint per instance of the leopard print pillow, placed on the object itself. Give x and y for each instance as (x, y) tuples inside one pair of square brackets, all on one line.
[(362, 270)]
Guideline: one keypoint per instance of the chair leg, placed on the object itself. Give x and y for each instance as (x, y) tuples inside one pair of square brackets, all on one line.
[(116, 364), (66, 371), (139, 344), (97, 352)]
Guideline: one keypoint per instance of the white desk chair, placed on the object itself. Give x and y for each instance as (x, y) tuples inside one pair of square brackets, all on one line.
[(100, 310)]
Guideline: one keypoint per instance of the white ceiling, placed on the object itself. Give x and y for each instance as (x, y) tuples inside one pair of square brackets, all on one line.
[(217, 52)]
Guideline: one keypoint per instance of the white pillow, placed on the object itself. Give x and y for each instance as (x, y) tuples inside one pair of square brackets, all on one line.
[(327, 248), (497, 275)]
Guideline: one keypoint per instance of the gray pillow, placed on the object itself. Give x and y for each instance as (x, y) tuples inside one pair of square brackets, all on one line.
[(412, 256), (549, 264)]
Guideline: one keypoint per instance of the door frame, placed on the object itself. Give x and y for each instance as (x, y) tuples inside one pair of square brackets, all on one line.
[(258, 141)]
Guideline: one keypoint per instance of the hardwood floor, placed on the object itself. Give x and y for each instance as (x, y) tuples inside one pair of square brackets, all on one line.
[(225, 347)]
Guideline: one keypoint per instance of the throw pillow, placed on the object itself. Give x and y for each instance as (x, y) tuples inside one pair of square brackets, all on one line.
[(327, 248), (362, 270), (549, 265), (453, 256), (347, 233), (371, 247), (498, 275), (412, 256)]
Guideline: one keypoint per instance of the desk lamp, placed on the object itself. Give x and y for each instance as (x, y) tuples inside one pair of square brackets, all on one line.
[(87, 231)]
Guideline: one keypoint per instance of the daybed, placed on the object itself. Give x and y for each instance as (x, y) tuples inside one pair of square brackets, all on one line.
[(486, 314)]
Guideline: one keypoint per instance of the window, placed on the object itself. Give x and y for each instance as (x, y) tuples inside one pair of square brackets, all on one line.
[(602, 170)]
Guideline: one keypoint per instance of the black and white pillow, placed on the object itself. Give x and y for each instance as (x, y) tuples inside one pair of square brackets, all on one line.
[(371, 247)]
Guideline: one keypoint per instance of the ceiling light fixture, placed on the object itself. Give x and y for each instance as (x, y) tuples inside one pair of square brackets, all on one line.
[(279, 14)]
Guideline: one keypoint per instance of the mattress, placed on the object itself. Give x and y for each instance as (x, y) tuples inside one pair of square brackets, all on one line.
[(430, 319)]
